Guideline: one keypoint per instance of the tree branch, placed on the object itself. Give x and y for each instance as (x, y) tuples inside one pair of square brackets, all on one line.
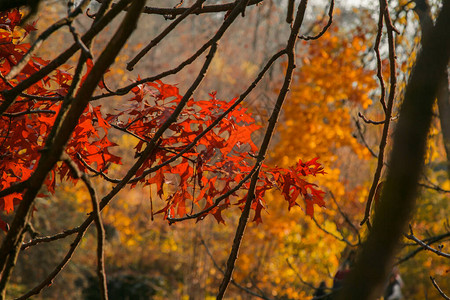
[(241, 98), (218, 200), (384, 14), (206, 9), (10, 95), (367, 278), (198, 4), (98, 223), (290, 51), (50, 238), (325, 28), (49, 158), (439, 289), (233, 282), (425, 246)]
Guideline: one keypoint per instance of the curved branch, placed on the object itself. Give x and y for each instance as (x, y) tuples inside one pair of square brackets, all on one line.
[(425, 246), (290, 51), (325, 28), (49, 279), (206, 9), (439, 289), (99, 225), (384, 13), (346, 218)]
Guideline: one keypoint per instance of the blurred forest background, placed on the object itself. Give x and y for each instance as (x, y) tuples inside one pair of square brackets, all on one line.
[(288, 254)]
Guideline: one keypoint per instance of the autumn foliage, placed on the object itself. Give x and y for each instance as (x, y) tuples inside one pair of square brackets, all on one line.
[(205, 154), (84, 143)]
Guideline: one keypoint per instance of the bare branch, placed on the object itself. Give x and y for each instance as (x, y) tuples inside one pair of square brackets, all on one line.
[(29, 112), (164, 33), (428, 241), (412, 237), (346, 218), (290, 11), (99, 225), (50, 238), (363, 138), (15, 188), (290, 51), (368, 121), (206, 9), (434, 187), (325, 28), (342, 239), (439, 289), (49, 279), (384, 14), (97, 173), (311, 286), (233, 282)]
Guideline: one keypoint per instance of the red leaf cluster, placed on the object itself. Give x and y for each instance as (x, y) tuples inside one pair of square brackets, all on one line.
[(209, 167)]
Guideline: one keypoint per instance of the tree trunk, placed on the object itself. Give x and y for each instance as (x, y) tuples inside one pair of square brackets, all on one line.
[(422, 10), (367, 278)]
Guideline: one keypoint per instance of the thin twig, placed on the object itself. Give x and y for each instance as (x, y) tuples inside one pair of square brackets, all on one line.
[(218, 200), (434, 187), (78, 41), (97, 173), (206, 9), (411, 237), (428, 241), (233, 282), (325, 28), (98, 223), (146, 141), (346, 218), (363, 138), (29, 112), (343, 239), (384, 13), (50, 238), (311, 286), (198, 4), (368, 121), (439, 289)]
